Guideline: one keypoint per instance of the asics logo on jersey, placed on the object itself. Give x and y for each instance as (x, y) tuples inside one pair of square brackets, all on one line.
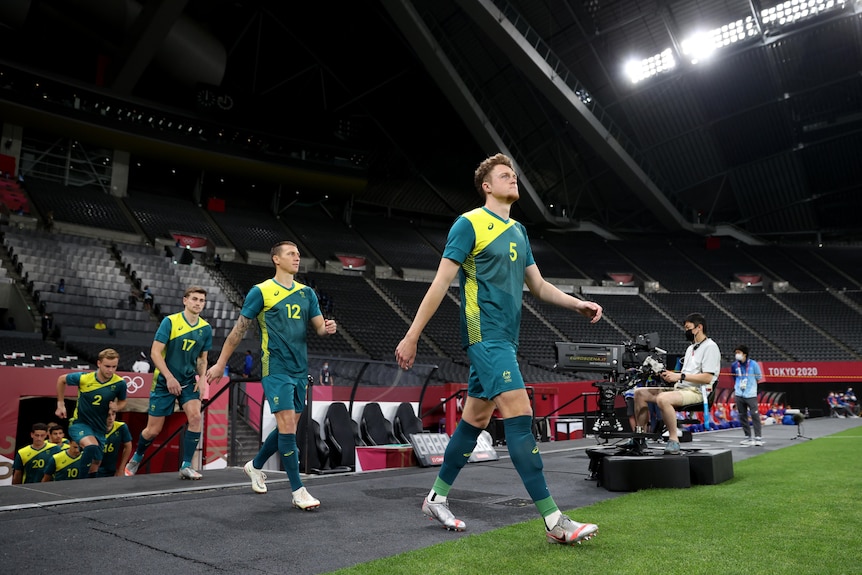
[(277, 292), (468, 454), (535, 450), (491, 226)]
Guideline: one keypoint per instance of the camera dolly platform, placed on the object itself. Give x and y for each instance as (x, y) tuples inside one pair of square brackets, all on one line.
[(619, 468)]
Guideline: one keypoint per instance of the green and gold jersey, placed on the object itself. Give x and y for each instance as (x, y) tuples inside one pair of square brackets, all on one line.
[(32, 462), (493, 254), (184, 343), (94, 397), (283, 314)]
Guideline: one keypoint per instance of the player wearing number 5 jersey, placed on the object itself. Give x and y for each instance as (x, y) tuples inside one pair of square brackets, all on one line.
[(179, 353), (491, 255), (283, 308), (98, 393)]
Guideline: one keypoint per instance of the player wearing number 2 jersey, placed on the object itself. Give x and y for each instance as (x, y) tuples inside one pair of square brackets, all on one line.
[(98, 393)]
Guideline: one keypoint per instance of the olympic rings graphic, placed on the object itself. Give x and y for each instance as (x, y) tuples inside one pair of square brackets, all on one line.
[(133, 384)]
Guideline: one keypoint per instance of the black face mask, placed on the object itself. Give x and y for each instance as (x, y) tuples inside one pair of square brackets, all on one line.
[(689, 335)]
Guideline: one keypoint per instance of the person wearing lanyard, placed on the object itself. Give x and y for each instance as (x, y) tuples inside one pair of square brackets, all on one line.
[(746, 375)]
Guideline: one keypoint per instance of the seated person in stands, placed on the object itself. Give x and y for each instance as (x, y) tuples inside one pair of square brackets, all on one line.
[(61, 287), (849, 398), (733, 416), (148, 298), (720, 416), (100, 325), (776, 412), (837, 408), (766, 418)]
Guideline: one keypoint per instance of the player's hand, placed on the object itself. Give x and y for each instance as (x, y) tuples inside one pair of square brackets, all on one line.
[(329, 326), (201, 386), (61, 411), (174, 386), (215, 373), (591, 310), (405, 353)]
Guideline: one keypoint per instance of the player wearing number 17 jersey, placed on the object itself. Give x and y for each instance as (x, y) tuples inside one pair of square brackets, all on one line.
[(179, 353)]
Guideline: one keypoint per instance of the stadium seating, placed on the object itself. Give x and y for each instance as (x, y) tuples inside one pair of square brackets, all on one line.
[(812, 321)]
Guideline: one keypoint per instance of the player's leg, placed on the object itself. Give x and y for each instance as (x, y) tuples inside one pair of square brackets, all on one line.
[(191, 439), (155, 423), (273, 388), (474, 418), (90, 445), (505, 380)]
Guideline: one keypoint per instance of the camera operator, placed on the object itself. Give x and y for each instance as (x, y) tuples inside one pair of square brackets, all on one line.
[(700, 369)]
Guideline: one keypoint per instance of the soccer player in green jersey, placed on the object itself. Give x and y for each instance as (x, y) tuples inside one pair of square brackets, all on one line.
[(67, 464), (283, 308), (31, 460), (118, 447), (98, 392), (491, 254), (179, 354), (57, 436)]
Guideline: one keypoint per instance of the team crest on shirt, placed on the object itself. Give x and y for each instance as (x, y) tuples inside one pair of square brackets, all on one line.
[(507, 376), (275, 400)]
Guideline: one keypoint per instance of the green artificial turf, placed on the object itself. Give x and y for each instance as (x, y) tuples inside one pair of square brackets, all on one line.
[(795, 510)]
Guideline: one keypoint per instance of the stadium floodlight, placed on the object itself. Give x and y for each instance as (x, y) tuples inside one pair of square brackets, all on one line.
[(638, 70), (792, 11), (699, 46)]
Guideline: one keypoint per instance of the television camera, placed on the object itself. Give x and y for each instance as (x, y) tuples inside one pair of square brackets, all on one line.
[(624, 366)]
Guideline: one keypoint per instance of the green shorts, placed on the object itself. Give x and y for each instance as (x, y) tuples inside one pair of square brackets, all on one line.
[(78, 431), (162, 401), (284, 392), (493, 369)]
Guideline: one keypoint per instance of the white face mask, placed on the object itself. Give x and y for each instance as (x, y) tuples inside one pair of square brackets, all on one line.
[(739, 357)]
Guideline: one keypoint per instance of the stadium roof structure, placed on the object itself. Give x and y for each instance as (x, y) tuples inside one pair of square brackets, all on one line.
[(745, 117)]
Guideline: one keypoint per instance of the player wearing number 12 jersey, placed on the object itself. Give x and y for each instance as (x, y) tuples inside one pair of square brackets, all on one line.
[(283, 308)]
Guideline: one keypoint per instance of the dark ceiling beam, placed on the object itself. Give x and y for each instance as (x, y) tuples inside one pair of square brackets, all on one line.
[(431, 54), (66, 125), (146, 36), (756, 9), (672, 30), (548, 81)]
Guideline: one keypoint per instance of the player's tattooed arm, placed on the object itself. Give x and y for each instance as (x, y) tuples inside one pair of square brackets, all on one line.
[(230, 344), (238, 332)]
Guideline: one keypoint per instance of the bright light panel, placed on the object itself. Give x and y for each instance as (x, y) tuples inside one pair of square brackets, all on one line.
[(638, 70), (792, 10), (700, 46)]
